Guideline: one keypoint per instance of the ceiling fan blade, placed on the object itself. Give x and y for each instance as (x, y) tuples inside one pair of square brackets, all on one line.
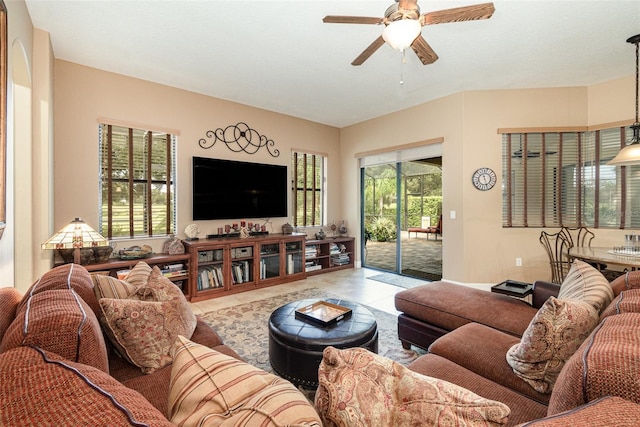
[(465, 13), (368, 51), (423, 50), (333, 19)]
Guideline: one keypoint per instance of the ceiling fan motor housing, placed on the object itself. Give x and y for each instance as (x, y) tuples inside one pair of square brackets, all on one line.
[(394, 13)]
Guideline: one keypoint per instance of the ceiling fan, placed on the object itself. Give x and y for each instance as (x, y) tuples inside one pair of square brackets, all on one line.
[(406, 13)]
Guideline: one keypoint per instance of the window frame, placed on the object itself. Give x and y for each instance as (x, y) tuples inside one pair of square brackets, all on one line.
[(314, 208), (565, 180), (135, 135)]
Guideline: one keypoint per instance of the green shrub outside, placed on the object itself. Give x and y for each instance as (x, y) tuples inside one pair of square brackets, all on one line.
[(427, 206)]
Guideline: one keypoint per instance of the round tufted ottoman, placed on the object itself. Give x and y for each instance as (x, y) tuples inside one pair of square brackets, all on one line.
[(296, 345)]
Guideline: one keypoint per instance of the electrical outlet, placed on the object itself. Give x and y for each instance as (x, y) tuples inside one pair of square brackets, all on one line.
[(518, 262)]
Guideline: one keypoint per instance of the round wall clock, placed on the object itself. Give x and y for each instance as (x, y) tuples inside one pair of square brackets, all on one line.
[(484, 179)]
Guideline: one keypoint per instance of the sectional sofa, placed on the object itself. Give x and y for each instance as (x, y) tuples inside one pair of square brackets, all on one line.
[(82, 350), (78, 349), (554, 361)]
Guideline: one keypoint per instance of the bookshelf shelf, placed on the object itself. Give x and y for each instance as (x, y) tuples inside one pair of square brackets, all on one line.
[(323, 256), (229, 265), (175, 267)]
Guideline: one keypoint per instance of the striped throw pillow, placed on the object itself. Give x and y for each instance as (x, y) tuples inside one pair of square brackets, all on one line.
[(210, 388), (139, 274), (110, 287), (585, 283)]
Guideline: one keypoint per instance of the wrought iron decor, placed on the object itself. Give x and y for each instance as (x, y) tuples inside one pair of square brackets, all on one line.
[(239, 137)]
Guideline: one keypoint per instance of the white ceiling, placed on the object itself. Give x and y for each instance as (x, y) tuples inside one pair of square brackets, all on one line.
[(280, 56)]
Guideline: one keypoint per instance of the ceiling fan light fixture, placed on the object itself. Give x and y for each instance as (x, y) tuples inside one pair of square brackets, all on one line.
[(401, 34)]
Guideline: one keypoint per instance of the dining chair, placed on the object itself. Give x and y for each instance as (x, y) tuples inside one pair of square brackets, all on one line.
[(579, 236), (582, 237), (557, 246)]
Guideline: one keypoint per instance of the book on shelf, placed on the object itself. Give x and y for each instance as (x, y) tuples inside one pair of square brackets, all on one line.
[(313, 267), (311, 251), (174, 273), (269, 268), (290, 264), (334, 249), (210, 278), (240, 272), (340, 259), (218, 271), (203, 280)]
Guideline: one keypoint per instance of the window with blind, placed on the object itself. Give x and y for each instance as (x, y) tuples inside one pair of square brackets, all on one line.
[(555, 179), (137, 182), (307, 176)]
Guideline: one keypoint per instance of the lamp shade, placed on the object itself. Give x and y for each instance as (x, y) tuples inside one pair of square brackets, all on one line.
[(77, 234), (400, 34), (629, 155)]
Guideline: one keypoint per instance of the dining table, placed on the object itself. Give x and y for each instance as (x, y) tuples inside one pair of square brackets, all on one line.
[(629, 260)]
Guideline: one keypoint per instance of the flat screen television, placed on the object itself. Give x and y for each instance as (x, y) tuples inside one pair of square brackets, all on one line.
[(227, 189)]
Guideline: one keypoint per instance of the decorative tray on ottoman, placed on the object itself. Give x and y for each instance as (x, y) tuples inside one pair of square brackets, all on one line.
[(323, 312)]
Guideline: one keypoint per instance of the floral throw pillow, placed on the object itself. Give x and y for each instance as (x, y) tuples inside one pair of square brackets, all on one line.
[(142, 331), (553, 335), (143, 318), (360, 388), (159, 288)]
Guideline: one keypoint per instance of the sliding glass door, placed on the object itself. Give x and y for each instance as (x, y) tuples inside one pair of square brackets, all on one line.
[(379, 205), (421, 231), (401, 208)]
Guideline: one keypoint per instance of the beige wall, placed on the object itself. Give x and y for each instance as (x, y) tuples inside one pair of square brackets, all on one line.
[(82, 95), (27, 49), (476, 248), (64, 184), (42, 154)]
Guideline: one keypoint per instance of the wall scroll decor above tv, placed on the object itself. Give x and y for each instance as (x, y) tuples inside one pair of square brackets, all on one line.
[(227, 189)]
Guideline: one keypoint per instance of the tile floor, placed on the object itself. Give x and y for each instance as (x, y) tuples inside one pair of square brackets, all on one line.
[(351, 284), (419, 255)]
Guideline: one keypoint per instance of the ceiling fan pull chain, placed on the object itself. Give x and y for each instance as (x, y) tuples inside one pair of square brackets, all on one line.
[(402, 62)]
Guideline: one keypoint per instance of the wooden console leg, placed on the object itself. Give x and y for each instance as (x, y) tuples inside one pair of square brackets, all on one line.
[(406, 345)]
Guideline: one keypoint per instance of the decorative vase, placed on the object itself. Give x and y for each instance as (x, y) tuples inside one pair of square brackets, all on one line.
[(320, 235), (287, 229), (342, 229), (173, 246)]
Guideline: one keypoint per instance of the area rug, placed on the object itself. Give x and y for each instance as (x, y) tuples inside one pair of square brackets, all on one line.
[(397, 280), (244, 328)]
